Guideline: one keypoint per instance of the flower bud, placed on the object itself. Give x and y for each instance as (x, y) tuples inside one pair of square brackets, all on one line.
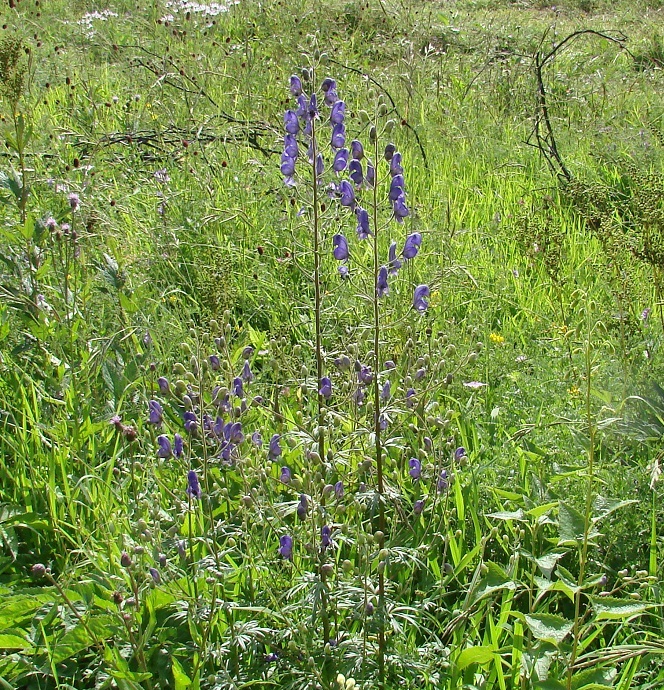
[(373, 134), (38, 570), (389, 126)]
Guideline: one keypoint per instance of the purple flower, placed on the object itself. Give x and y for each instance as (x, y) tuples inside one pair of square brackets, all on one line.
[(645, 314), (362, 223), (338, 113), (418, 506), (342, 363), (356, 149), (328, 83), (412, 245), (156, 412), (190, 423), (443, 482), (383, 422), (325, 534), (339, 490), (347, 195), (343, 271), (238, 389), (394, 263), (302, 507), (178, 446), (415, 470), (51, 224), (364, 374), (290, 146), (359, 395), (286, 547), (420, 373), (218, 427), (459, 453), (338, 136), (387, 391), (215, 362), (428, 444), (257, 439), (389, 364), (287, 165), (233, 432), (274, 449), (371, 175), (194, 488), (313, 107), (395, 165), (396, 187), (355, 172), (340, 160), (291, 123), (164, 388), (340, 244), (320, 165), (410, 398), (154, 574), (419, 301), (165, 449), (246, 374), (389, 152), (302, 106), (74, 201), (295, 85), (325, 387), (285, 477), (400, 209), (331, 96), (382, 287)]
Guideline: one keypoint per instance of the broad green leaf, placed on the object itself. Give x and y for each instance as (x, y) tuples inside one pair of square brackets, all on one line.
[(78, 639), (594, 679), (549, 684), (495, 580), (605, 506), (549, 627), (182, 680), (475, 655), (571, 525), (610, 608), (10, 640)]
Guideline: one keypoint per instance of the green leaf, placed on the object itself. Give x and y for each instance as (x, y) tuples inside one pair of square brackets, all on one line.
[(549, 684), (610, 608), (10, 640), (549, 627), (605, 506), (475, 655), (571, 525), (78, 639), (594, 679), (182, 680), (496, 579)]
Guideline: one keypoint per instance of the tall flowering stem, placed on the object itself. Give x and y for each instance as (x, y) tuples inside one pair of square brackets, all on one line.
[(377, 420)]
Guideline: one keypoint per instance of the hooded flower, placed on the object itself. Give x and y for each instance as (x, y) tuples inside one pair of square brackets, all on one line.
[(459, 453), (178, 446), (246, 374), (325, 536), (418, 507), (356, 149), (165, 449), (386, 392), (371, 175), (412, 245), (290, 146), (394, 262), (339, 490), (338, 113), (164, 388), (156, 413), (355, 172), (340, 162), (415, 470), (190, 422), (302, 507), (257, 439), (287, 165), (286, 547), (395, 164), (382, 287), (347, 195), (326, 387), (238, 389), (285, 476), (396, 187), (400, 209), (340, 244), (362, 223), (274, 449), (291, 123), (295, 85), (338, 136), (320, 165), (193, 488), (419, 301)]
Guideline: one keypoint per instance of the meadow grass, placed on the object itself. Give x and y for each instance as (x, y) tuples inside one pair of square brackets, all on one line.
[(536, 413)]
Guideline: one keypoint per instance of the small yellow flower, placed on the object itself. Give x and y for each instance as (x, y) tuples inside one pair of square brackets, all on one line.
[(496, 338), (574, 391)]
